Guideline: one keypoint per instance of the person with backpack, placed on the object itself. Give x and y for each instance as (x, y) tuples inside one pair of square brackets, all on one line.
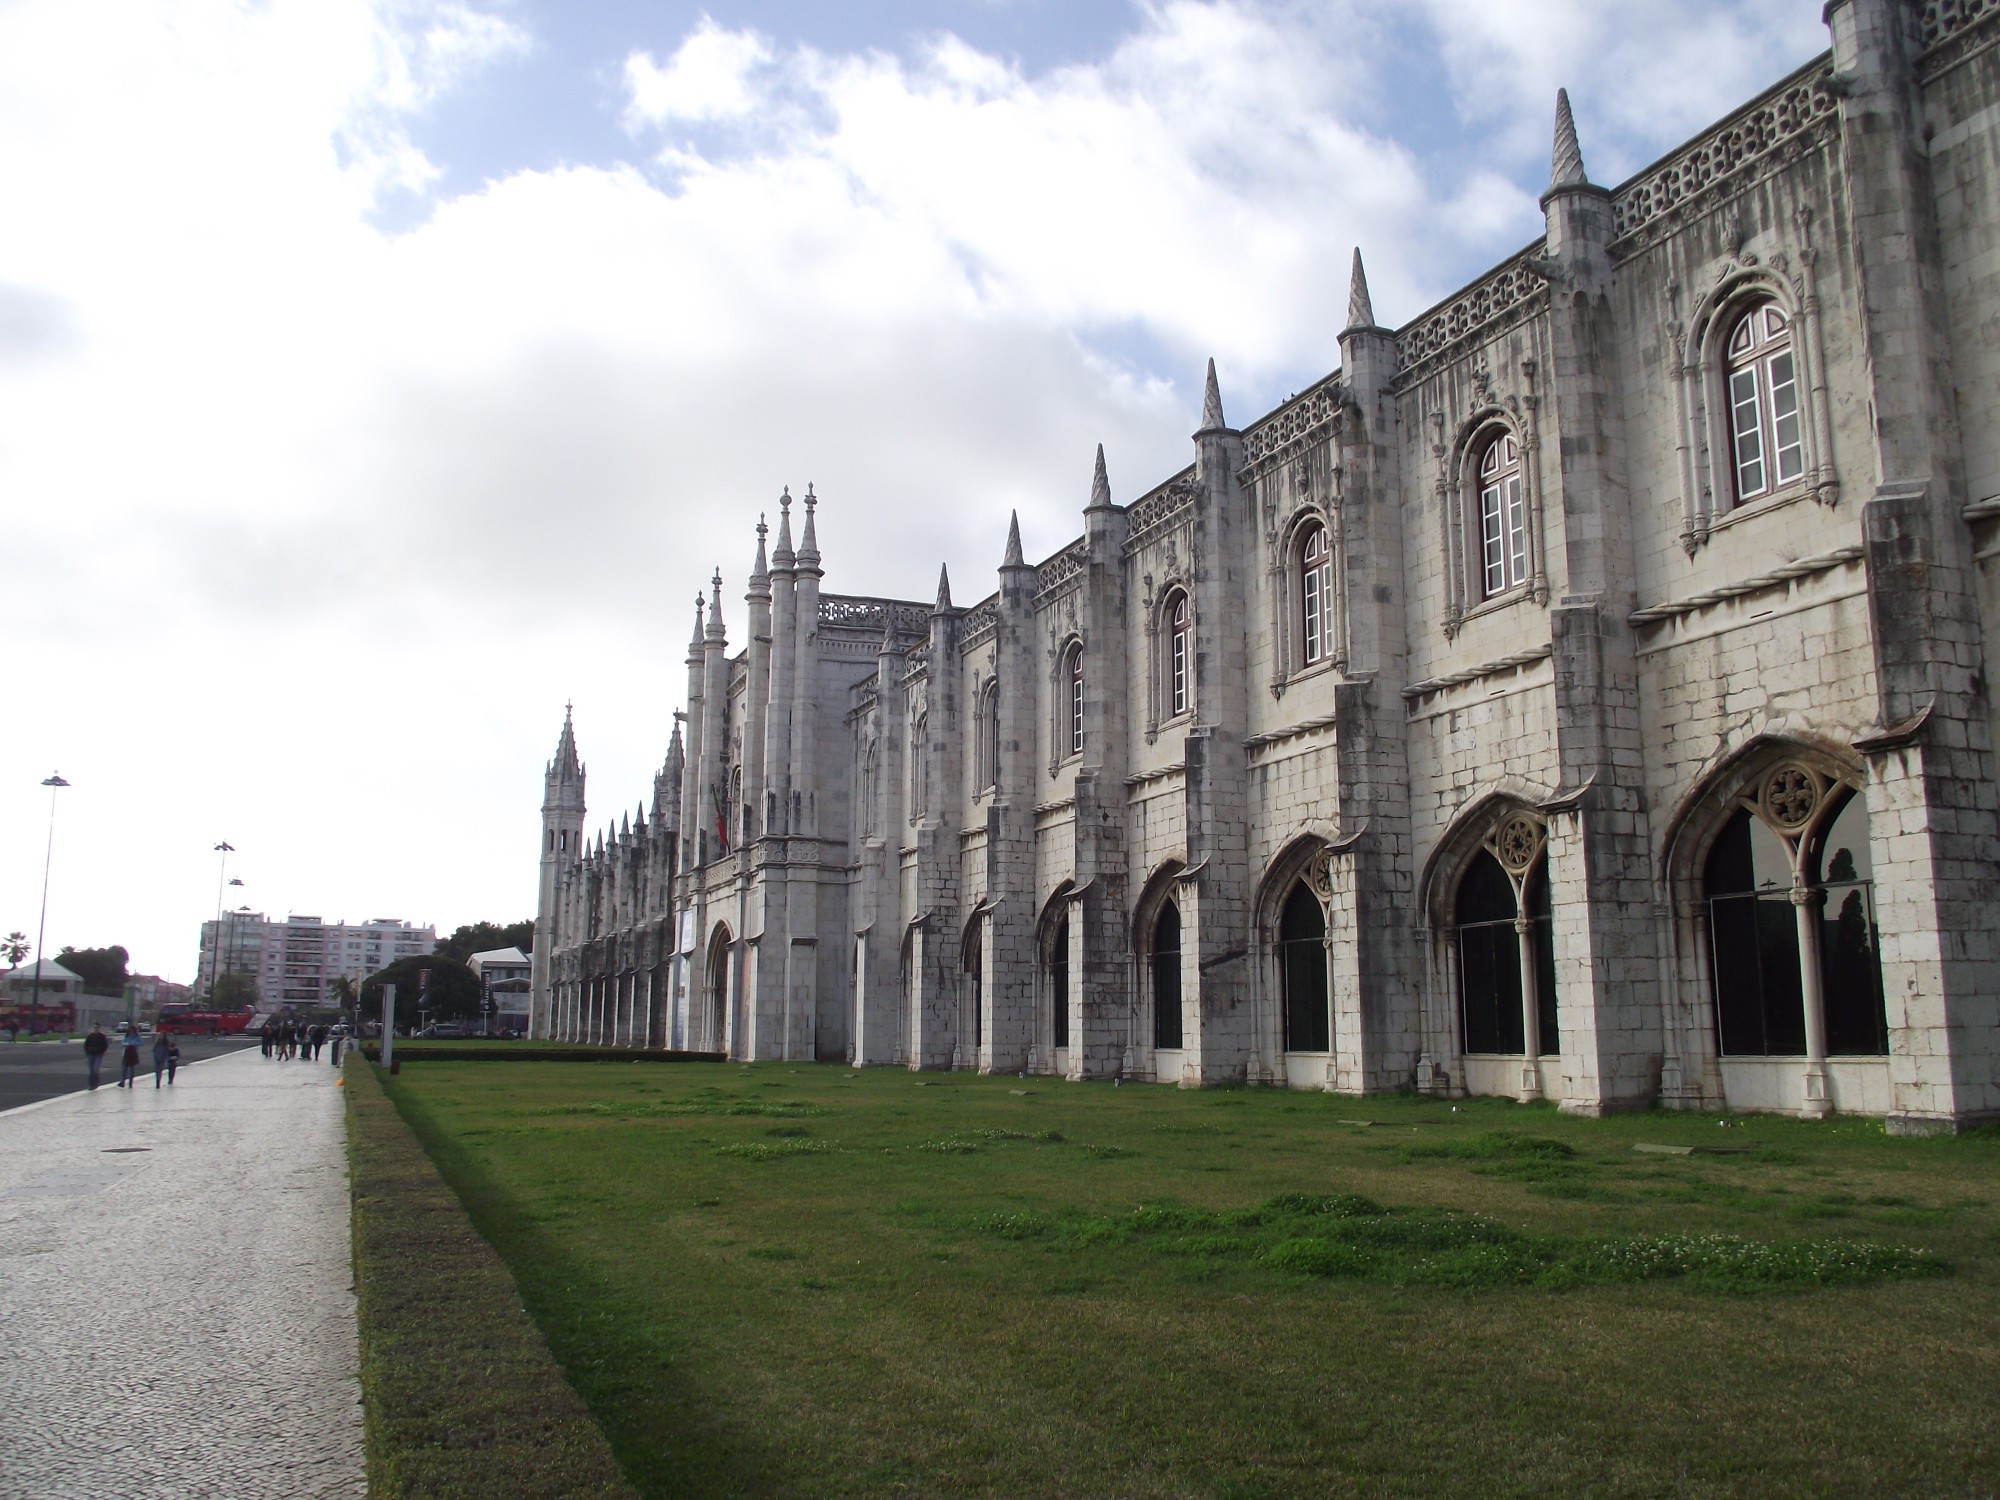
[(128, 1062), (94, 1047)]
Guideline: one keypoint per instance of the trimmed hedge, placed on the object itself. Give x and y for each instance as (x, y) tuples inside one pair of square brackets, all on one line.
[(407, 1050), (460, 1393)]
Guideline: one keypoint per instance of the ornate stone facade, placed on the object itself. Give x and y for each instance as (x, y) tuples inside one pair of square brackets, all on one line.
[(1581, 693)]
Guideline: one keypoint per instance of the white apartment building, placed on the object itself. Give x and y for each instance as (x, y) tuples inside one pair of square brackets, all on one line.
[(293, 959)]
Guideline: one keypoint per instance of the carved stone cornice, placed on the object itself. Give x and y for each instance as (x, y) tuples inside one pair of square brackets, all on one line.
[(1784, 122)]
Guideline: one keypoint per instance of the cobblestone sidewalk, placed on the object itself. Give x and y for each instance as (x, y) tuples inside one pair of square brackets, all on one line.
[(176, 1291)]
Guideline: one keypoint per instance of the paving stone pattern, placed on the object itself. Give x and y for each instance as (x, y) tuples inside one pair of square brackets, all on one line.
[(176, 1290)]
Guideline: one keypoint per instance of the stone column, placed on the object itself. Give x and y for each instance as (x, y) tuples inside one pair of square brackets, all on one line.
[(1933, 824)]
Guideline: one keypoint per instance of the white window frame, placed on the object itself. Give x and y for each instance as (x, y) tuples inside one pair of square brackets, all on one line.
[(1503, 518), (1766, 422), (1315, 574)]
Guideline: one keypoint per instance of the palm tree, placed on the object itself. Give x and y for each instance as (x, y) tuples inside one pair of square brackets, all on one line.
[(14, 947)]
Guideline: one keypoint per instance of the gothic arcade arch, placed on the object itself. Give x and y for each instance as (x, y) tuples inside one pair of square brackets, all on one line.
[(1156, 945), (1294, 931), (721, 951), (1052, 970), (1769, 871)]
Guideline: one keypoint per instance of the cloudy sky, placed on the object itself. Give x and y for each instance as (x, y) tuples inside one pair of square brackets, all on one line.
[(376, 375)]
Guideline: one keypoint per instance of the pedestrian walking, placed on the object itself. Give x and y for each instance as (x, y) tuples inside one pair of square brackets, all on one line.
[(94, 1047), (160, 1047), (267, 1034), (128, 1062), (173, 1058)]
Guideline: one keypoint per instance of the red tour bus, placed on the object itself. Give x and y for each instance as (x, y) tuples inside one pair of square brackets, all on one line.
[(186, 1020)]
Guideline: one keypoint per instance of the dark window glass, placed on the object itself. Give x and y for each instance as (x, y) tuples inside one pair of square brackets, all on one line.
[(1167, 977), (975, 980), (1302, 949), (1059, 980), (1759, 1000), (1489, 959), (1850, 949)]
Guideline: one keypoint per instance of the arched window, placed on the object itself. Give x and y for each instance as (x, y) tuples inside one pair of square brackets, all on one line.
[(1180, 654), (1059, 980), (989, 736), (920, 768), (1766, 437), (1503, 518), (1755, 932), (1166, 964), (1489, 959), (1073, 677), (1316, 595), (1302, 961), (870, 800), (736, 803)]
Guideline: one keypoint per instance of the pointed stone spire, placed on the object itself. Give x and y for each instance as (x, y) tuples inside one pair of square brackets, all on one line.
[(782, 555), (809, 538), (944, 591), (1566, 169), (1013, 558), (1360, 309), (1100, 484), (715, 609), (566, 766), (1213, 403), (625, 829), (760, 571), (700, 605), (676, 747), (888, 627)]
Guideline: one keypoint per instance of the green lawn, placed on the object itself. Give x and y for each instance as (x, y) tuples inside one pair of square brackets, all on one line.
[(807, 1281)]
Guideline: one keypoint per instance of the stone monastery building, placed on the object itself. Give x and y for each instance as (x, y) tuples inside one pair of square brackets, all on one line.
[(1584, 692)]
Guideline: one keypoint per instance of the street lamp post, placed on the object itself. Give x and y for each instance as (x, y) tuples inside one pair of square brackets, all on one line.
[(225, 849), (55, 783)]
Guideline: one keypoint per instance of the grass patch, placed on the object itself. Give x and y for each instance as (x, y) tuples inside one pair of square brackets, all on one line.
[(1090, 1291), (460, 1393)]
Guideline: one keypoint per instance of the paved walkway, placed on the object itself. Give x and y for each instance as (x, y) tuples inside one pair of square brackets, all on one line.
[(176, 1300)]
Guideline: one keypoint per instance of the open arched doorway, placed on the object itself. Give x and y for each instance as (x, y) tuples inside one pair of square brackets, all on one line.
[(719, 948)]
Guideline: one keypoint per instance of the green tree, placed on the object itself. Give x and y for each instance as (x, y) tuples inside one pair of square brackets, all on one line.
[(101, 969), (234, 991), (14, 947), (483, 937), (341, 992), (453, 994)]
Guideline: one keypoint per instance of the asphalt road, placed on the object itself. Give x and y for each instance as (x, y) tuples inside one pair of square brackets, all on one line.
[(30, 1071)]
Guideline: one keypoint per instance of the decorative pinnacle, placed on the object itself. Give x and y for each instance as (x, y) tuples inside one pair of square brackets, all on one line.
[(761, 571), (1211, 402), (1360, 309), (1566, 169), (1013, 558), (809, 539), (1100, 484), (699, 605), (944, 591), (782, 555), (715, 609)]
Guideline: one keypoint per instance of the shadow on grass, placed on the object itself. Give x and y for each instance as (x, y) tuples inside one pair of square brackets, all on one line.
[(683, 1450)]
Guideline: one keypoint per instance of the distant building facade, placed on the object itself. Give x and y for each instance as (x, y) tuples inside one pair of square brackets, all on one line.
[(294, 959), (1582, 693), (505, 980)]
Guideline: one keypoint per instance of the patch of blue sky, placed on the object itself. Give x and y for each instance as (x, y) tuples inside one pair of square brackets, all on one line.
[(562, 103)]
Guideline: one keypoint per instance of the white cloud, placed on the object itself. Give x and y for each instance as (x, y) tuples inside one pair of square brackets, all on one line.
[(312, 526), (709, 77)]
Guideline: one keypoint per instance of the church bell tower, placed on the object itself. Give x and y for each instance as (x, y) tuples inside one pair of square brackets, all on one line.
[(562, 845)]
